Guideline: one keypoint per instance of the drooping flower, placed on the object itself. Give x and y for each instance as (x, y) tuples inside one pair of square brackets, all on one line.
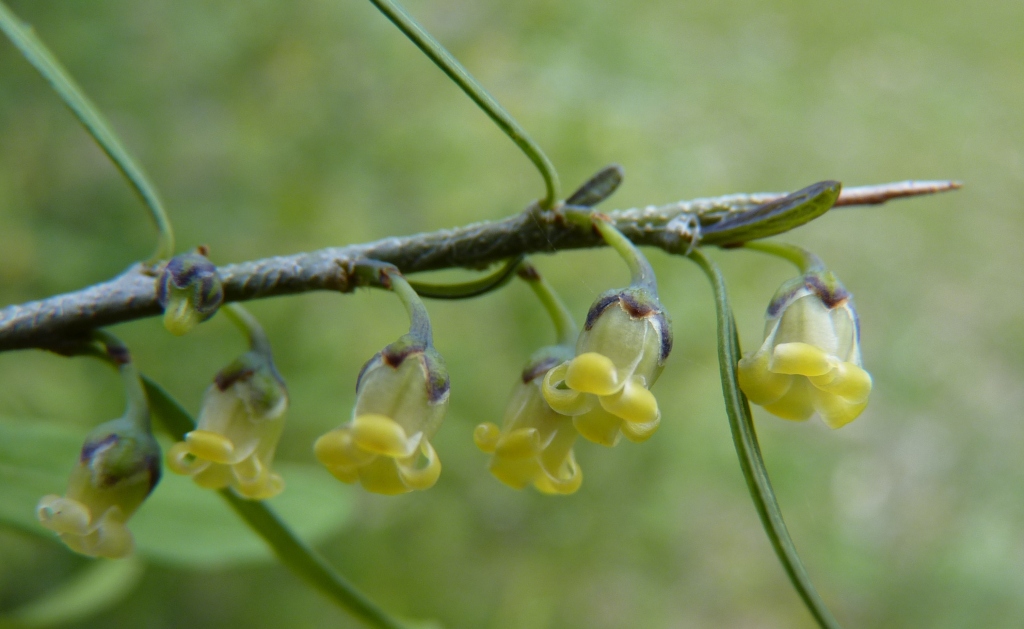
[(401, 398), (240, 423), (619, 355), (118, 467), (535, 443), (810, 358)]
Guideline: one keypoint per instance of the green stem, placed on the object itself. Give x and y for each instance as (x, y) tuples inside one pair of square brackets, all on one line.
[(749, 451), (292, 552), (419, 318), (800, 257), (565, 326), (640, 269), (476, 92), (37, 54), (244, 321), (117, 355), (467, 290)]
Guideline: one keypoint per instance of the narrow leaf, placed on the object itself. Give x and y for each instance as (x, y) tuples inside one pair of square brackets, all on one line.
[(774, 217), (36, 52), (476, 92), (598, 188), (744, 437)]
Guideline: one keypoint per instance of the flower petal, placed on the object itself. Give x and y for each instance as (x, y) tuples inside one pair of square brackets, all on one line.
[(797, 404), (835, 411), (599, 426), (761, 385), (846, 380), (633, 403), (380, 434), (800, 359), (486, 436), (563, 400), (591, 372), (210, 446)]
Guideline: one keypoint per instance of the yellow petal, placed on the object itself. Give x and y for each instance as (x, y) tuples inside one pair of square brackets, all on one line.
[(424, 476), (846, 380), (63, 515), (835, 411), (760, 385), (563, 400), (180, 460), (380, 476), (516, 473), (640, 432), (568, 480), (214, 476), (799, 359), (520, 443), (381, 435), (592, 373), (114, 540), (634, 403), (267, 486), (486, 436), (598, 426), (796, 404), (210, 446)]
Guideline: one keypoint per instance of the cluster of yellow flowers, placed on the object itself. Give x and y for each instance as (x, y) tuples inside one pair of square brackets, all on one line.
[(595, 384)]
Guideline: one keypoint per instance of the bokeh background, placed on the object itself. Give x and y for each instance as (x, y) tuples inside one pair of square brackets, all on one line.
[(277, 127)]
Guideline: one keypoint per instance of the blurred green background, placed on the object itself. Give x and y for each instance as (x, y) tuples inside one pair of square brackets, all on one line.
[(277, 127)]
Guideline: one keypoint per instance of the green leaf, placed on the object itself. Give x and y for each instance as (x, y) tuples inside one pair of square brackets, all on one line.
[(96, 587), (744, 437), (36, 52), (179, 523), (774, 217)]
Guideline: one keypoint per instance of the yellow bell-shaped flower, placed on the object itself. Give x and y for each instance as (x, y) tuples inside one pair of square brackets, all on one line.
[(810, 359), (619, 355), (118, 467), (240, 423), (401, 398), (534, 444)]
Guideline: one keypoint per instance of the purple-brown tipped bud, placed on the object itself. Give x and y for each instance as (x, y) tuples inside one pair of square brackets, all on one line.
[(190, 292)]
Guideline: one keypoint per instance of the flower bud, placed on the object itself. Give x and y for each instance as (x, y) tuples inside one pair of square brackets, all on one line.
[(118, 467), (240, 423), (619, 355), (810, 359), (401, 398), (190, 292), (534, 444)]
